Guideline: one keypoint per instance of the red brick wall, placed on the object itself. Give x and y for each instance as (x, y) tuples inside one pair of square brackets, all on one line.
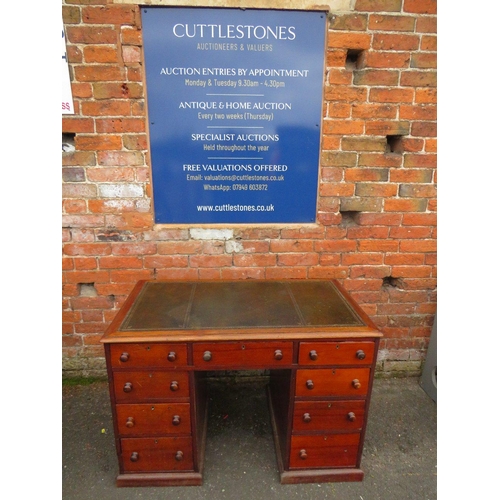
[(376, 229)]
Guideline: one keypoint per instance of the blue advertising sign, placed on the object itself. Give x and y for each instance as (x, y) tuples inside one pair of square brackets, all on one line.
[(235, 102)]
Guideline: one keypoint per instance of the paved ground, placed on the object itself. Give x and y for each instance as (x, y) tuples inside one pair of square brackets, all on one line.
[(399, 459)]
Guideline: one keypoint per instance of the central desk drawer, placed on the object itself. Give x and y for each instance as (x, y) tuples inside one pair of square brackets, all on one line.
[(139, 386), (242, 354), (157, 454), (153, 419), (332, 382)]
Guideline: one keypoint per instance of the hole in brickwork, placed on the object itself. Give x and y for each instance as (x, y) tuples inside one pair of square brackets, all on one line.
[(349, 218), (390, 281), (394, 144), (87, 290), (68, 142), (353, 59)]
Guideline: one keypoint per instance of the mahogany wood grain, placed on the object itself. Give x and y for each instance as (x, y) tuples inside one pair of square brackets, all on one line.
[(347, 415), (153, 419), (336, 353), (150, 385), (332, 382), (157, 454)]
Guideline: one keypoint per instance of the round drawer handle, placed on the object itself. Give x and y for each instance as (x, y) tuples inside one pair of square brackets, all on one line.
[(127, 387), (356, 383), (179, 456), (130, 422), (310, 384), (303, 454), (313, 355), (134, 456), (174, 385), (124, 357), (172, 356), (207, 356), (306, 418), (278, 354), (361, 354), (176, 420), (351, 416)]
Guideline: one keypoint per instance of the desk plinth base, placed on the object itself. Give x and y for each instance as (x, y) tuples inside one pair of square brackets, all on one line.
[(160, 479)]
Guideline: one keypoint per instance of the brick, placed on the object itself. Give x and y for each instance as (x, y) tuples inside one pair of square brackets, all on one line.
[(374, 111), (111, 206), (81, 90), (418, 79), (387, 128), (77, 125), (371, 219), (131, 54), (338, 159), (324, 272), (72, 206), (407, 176), (83, 158), (366, 174), (376, 77), (91, 34), (130, 220), (111, 14), (420, 161), (417, 190), (100, 54), (120, 158), (345, 93), (131, 36), (377, 232), (405, 205), (367, 189), (410, 232), (79, 191), (363, 144), (121, 190), (85, 263), (430, 146), (404, 259), (413, 246), (98, 142), (210, 260), (130, 276), (106, 108), (348, 40), (418, 112), (391, 23), (73, 174), (240, 273), (110, 174), (335, 58), (179, 247), (331, 259), (361, 204), (117, 90), (135, 142), (420, 6), (429, 42), (97, 249), (119, 125), (426, 96), (339, 110), (369, 272), (423, 60), (349, 22), (98, 73), (395, 95), (426, 25), (327, 218), (136, 248), (411, 145), (336, 189), (384, 41), (420, 219), (374, 259), (255, 260), (343, 127), (330, 143), (285, 273), (389, 60), (424, 129), (378, 5)]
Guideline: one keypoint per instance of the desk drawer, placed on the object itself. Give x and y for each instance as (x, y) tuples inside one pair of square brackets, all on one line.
[(332, 382), (328, 415), (153, 419), (336, 353), (242, 354), (327, 450), (148, 355), (157, 454), (138, 386)]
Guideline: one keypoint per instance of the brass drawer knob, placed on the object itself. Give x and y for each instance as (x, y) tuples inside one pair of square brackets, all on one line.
[(207, 356), (179, 456), (351, 416), (306, 418), (127, 387), (361, 354), (134, 456), (124, 357), (310, 384), (174, 385), (130, 422), (278, 354), (176, 420), (313, 355), (172, 356), (302, 454), (356, 383)]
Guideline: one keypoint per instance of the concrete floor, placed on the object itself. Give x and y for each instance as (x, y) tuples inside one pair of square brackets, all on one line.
[(399, 458)]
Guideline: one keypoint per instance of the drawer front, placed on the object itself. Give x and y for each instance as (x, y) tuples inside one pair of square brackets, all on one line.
[(336, 353), (157, 454), (332, 382), (139, 386), (328, 450), (153, 419), (242, 354), (148, 355), (328, 415)]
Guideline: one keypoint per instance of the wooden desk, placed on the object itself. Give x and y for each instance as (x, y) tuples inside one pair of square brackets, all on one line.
[(319, 346)]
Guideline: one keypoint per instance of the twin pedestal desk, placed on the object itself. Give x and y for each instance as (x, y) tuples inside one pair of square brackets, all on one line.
[(318, 345)]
